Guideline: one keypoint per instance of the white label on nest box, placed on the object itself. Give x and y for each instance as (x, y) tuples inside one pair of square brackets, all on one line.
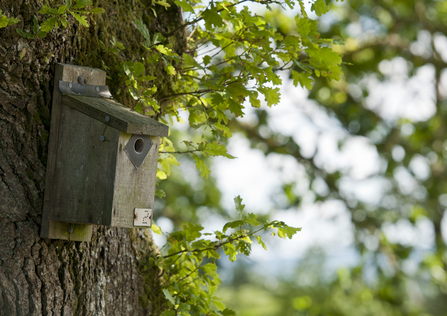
[(143, 217)]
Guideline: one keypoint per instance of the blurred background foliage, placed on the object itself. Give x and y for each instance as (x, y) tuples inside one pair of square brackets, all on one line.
[(393, 95)]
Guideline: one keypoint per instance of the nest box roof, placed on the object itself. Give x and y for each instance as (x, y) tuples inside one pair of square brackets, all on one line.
[(116, 115)]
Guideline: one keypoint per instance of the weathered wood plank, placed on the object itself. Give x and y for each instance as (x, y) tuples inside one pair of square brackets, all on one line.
[(133, 188), (70, 73), (121, 117), (85, 169)]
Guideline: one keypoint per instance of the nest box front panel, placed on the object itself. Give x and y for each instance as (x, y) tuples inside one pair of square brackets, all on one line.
[(85, 168), (134, 187)]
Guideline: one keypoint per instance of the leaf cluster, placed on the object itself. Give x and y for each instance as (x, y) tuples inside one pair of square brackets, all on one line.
[(57, 16), (233, 59), (5, 21), (189, 265)]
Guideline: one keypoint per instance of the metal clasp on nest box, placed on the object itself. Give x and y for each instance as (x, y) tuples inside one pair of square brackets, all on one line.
[(88, 90)]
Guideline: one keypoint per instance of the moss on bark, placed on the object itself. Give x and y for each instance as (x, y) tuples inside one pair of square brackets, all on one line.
[(119, 22)]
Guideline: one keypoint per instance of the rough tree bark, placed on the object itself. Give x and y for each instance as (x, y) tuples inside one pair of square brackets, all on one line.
[(51, 277)]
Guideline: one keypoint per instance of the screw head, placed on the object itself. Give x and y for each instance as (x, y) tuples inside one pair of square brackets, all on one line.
[(107, 119), (70, 229), (97, 89), (102, 138), (70, 85)]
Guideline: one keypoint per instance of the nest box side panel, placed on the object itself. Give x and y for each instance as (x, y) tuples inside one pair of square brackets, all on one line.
[(134, 188), (51, 228), (85, 168)]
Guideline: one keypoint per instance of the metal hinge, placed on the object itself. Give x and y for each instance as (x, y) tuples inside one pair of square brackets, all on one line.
[(88, 90)]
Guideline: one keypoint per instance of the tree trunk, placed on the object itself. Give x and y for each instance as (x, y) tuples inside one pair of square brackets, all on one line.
[(54, 277)]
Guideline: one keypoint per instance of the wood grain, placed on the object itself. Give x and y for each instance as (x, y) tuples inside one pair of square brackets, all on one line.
[(121, 117), (85, 169), (133, 188), (68, 73)]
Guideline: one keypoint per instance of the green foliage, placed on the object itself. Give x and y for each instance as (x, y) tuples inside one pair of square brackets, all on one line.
[(232, 56), (307, 291), (5, 21), (228, 49), (57, 16), (189, 264), (320, 7), (383, 282)]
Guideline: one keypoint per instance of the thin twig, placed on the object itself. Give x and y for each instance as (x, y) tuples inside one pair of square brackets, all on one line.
[(186, 276), (216, 246), (186, 93), (180, 152), (201, 18)]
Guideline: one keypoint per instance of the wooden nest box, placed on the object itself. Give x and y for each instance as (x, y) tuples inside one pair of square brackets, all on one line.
[(102, 159)]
